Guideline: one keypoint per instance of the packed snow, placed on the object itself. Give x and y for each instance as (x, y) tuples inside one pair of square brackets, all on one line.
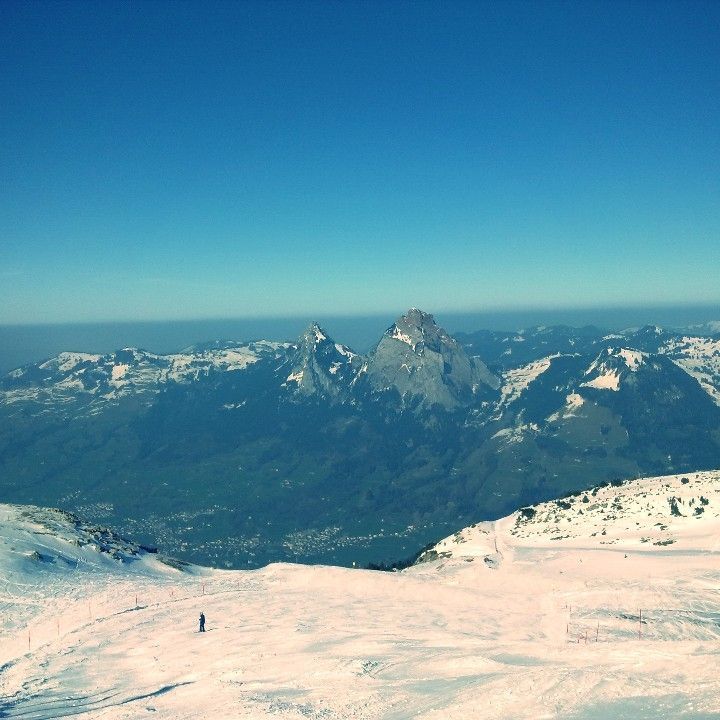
[(118, 371), (319, 334), (602, 605), (573, 400), (609, 367), (69, 360), (346, 351), (606, 371)]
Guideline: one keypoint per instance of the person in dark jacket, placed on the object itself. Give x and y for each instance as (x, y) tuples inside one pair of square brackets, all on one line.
[(202, 622)]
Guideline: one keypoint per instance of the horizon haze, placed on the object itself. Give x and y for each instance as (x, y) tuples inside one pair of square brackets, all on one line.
[(23, 344)]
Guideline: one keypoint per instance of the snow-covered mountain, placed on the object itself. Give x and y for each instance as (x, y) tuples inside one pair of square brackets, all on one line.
[(509, 353), (310, 450), (415, 359), (99, 379), (700, 358), (613, 375), (598, 605), (612, 366)]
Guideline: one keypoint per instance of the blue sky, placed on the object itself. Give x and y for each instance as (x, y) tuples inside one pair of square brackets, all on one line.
[(196, 160)]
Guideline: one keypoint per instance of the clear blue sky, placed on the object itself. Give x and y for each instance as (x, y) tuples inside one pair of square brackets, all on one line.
[(171, 160)]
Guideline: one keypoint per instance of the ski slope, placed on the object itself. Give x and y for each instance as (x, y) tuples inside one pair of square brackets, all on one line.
[(572, 609)]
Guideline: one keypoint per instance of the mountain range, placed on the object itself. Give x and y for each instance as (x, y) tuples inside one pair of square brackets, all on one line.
[(243, 453)]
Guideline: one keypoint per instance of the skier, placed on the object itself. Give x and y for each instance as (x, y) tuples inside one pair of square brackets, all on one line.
[(202, 622)]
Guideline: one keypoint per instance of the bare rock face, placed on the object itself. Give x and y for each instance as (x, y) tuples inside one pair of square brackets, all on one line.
[(415, 358), (321, 366), (426, 366)]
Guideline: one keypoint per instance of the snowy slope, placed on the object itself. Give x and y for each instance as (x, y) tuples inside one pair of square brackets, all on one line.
[(699, 357), (660, 511), (525, 355), (515, 380), (534, 616), (48, 555)]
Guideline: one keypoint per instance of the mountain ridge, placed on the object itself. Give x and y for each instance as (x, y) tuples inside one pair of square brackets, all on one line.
[(307, 450)]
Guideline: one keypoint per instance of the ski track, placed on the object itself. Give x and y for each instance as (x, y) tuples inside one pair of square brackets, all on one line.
[(550, 629)]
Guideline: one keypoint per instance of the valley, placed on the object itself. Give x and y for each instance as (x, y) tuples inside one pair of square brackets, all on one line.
[(239, 454)]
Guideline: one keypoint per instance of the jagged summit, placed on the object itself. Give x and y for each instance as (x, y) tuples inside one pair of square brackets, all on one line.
[(418, 359), (320, 366), (415, 316), (419, 330), (313, 334)]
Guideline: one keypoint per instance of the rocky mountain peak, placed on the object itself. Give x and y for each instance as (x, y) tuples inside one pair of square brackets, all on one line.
[(314, 342), (320, 366), (419, 331), (418, 318), (418, 359), (314, 335)]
